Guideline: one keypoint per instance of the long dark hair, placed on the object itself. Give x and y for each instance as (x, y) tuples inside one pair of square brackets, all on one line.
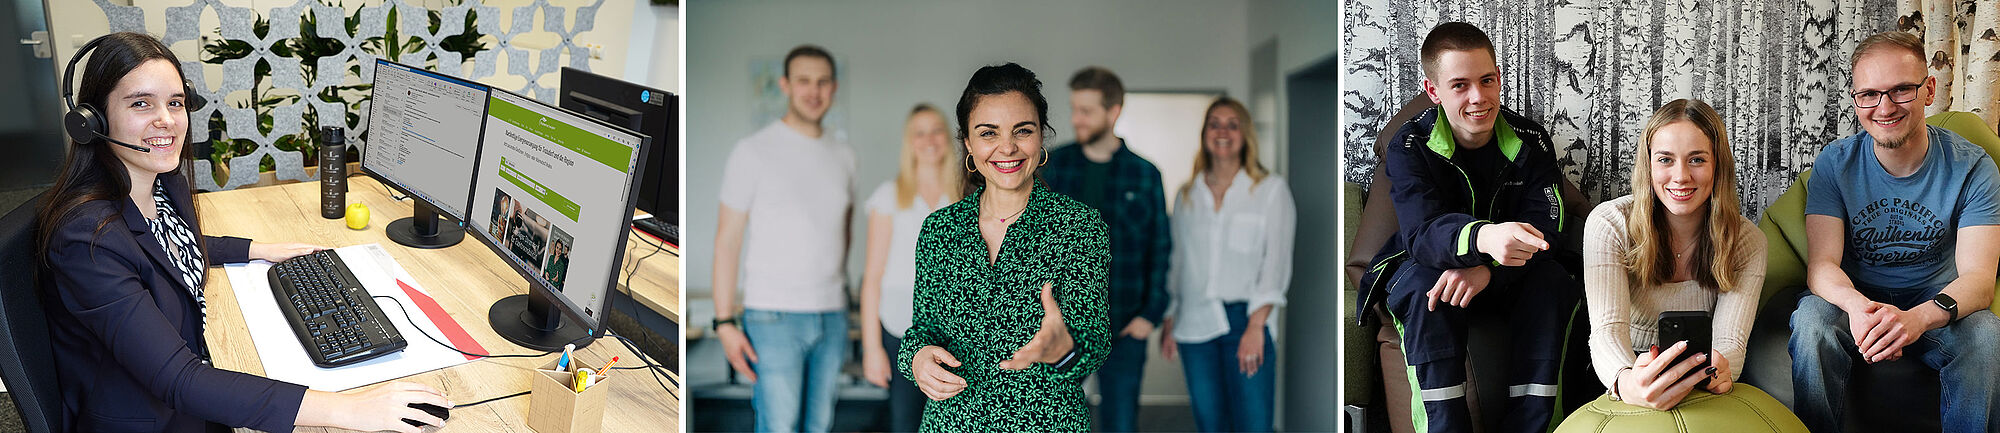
[(91, 171), (997, 80)]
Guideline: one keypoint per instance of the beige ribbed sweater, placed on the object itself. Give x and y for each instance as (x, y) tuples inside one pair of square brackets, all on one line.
[(1623, 315)]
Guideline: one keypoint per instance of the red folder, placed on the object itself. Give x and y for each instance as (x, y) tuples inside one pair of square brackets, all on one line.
[(444, 322)]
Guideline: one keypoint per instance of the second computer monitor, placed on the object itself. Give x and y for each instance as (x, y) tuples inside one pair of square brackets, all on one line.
[(553, 196), (422, 138)]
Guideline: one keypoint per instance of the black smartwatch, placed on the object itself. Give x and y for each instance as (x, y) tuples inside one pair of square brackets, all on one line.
[(717, 323), (1949, 305), (1068, 360)]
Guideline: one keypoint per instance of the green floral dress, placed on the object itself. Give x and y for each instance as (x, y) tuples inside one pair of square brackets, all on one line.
[(981, 313)]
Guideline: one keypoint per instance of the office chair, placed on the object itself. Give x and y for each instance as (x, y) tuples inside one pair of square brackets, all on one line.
[(30, 374)]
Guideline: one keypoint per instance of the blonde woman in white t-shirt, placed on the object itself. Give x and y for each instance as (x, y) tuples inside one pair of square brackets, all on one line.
[(1233, 227), (896, 214)]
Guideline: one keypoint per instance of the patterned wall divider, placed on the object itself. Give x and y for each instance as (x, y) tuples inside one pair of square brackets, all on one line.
[(237, 23)]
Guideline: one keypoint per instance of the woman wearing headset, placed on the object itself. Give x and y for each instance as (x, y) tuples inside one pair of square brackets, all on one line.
[(123, 264)]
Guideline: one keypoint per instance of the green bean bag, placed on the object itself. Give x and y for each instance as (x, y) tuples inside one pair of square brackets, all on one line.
[(1745, 409)]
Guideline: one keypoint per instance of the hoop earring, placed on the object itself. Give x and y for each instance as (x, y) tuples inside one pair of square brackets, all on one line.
[(1045, 159), (968, 165)]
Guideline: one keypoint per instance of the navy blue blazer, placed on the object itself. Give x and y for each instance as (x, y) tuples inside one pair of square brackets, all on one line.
[(128, 335)]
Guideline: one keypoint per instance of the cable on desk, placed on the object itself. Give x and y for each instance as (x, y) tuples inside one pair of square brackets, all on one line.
[(654, 366), (427, 334), (657, 247), (490, 400), (385, 188)]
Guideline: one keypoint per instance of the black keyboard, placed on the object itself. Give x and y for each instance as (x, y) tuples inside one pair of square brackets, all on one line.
[(331, 313), (669, 232)]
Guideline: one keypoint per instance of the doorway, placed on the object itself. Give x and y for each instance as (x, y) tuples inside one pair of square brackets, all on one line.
[(30, 122)]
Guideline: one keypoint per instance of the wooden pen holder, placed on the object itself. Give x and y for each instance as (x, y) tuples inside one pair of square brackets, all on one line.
[(554, 406)]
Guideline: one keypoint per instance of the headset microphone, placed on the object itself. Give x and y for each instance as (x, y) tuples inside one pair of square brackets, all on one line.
[(85, 123)]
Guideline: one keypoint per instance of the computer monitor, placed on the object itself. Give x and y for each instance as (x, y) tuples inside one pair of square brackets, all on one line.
[(643, 109), (422, 138), (553, 197)]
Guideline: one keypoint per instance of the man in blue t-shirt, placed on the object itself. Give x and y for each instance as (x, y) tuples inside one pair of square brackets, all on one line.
[(1903, 236)]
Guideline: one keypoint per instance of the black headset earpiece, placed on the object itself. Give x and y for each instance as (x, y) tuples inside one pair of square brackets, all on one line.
[(85, 123)]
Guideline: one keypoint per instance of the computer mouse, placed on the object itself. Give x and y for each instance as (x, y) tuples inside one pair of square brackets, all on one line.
[(434, 410)]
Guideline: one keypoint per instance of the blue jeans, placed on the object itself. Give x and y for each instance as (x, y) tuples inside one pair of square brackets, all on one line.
[(906, 401), (798, 360), (1964, 354), (1223, 398), (1118, 384)]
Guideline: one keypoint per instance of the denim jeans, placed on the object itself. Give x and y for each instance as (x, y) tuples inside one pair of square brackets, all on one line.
[(798, 361), (906, 402), (1222, 397), (1963, 353), (1118, 384)]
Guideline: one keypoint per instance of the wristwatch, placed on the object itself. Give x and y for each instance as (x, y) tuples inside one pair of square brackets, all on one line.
[(1949, 305), (718, 322), (1068, 360)]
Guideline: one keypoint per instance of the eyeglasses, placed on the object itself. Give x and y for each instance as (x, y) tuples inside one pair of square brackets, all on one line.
[(1897, 95)]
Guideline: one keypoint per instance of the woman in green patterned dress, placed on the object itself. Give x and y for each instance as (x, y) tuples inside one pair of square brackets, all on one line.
[(1010, 296)]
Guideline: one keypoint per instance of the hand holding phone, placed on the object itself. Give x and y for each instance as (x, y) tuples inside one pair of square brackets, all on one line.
[(1692, 327)]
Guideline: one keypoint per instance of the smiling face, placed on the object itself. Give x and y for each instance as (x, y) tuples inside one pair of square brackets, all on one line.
[(1466, 85), (928, 137), (147, 108), (1683, 168), (1222, 135), (808, 87), (1005, 140), (1883, 71)]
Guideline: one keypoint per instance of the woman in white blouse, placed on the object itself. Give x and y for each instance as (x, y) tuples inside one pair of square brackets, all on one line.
[(896, 214), (1677, 243), (1232, 225)]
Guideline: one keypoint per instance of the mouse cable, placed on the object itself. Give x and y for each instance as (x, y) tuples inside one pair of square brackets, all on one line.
[(490, 400)]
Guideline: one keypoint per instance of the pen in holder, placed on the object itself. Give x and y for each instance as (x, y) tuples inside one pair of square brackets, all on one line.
[(554, 405)]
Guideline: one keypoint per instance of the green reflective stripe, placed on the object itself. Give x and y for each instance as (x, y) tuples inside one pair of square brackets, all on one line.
[(1465, 237), (1562, 215), (1385, 262), (1419, 418)]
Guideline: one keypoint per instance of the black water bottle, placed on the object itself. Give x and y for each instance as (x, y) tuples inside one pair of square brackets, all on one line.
[(332, 172)]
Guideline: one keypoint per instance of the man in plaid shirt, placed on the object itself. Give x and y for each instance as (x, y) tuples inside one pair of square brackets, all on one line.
[(1100, 171)]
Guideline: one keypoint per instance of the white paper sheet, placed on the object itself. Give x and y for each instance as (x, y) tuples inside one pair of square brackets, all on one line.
[(285, 357)]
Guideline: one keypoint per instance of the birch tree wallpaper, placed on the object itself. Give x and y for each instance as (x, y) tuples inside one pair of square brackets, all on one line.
[(1592, 71)]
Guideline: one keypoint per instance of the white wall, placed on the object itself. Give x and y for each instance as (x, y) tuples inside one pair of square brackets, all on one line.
[(1305, 32), (893, 55)]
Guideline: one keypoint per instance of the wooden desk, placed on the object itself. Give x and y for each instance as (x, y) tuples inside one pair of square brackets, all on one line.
[(657, 283), (290, 213)]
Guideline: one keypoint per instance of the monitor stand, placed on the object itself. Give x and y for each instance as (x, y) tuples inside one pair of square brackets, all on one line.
[(536, 322), (422, 230)]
